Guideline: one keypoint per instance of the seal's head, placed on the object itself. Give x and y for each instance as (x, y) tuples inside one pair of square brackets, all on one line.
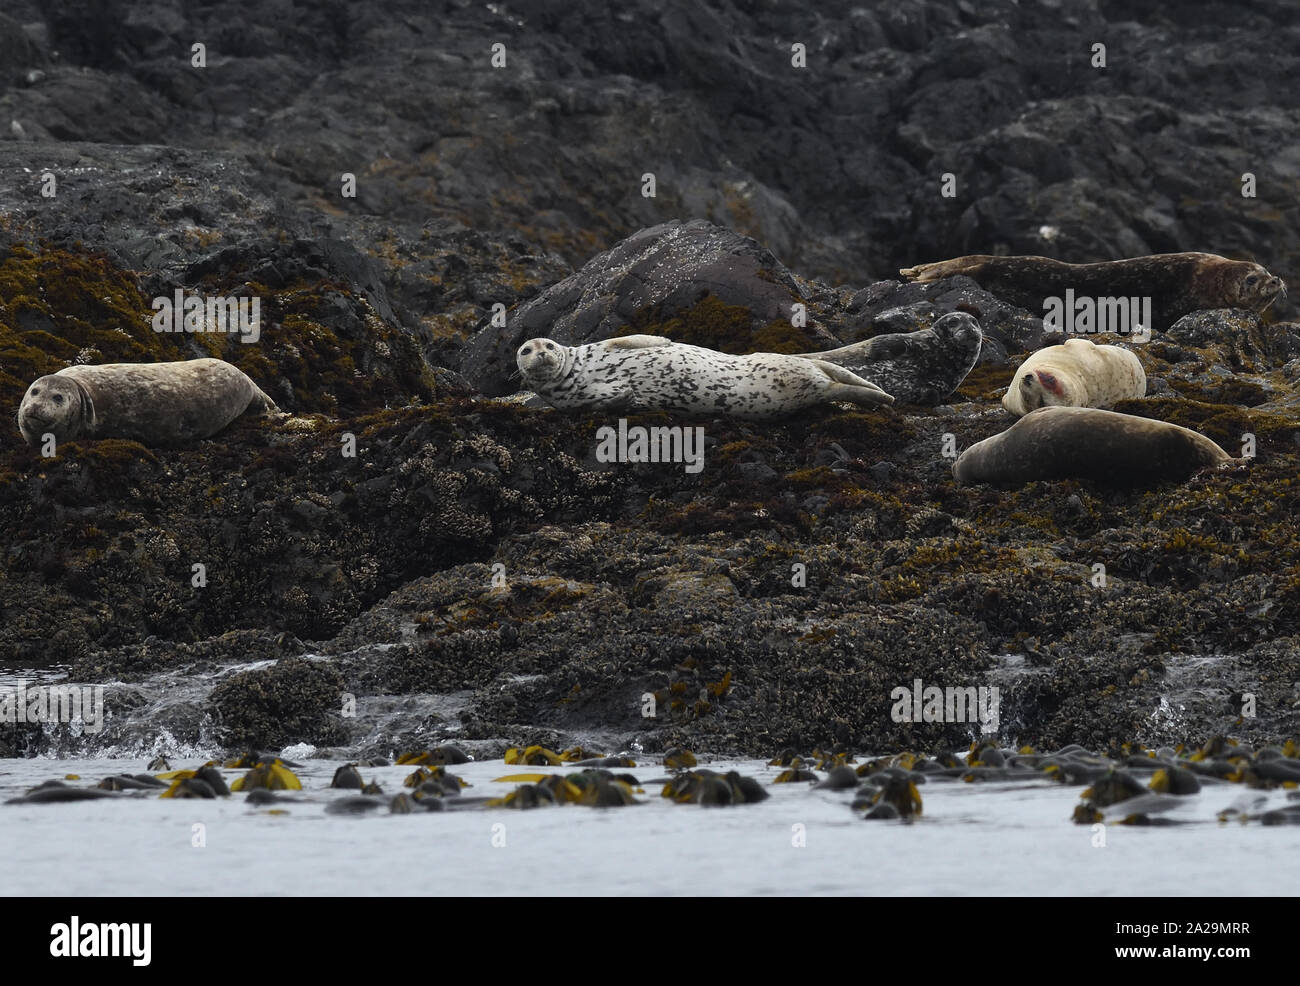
[(961, 328), (1254, 287), (543, 362), (1033, 389), (55, 404)]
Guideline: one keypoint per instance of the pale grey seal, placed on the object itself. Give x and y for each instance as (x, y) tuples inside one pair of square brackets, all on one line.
[(151, 403)]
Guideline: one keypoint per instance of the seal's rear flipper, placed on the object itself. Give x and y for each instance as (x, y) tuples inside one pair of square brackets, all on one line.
[(261, 403), (943, 268), (1226, 466), (870, 396), (849, 379)]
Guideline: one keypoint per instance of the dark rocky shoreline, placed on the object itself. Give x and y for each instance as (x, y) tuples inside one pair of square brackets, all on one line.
[(477, 189)]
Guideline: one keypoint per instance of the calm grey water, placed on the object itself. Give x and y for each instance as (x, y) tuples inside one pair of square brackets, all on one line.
[(990, 839), (972, 839)]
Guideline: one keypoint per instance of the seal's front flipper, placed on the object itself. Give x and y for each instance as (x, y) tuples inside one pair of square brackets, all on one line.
[(608, 397), (637, 342), (623, 399)]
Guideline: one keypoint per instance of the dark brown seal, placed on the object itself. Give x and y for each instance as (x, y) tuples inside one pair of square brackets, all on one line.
[(1177, 283), (1088, 443), (151, 403)]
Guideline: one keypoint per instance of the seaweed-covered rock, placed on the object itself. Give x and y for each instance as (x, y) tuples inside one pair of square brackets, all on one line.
[(1246, 342), (473, 568), (294, 701)]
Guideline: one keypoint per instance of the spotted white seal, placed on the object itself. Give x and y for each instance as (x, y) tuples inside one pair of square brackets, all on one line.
[(1078, 373), (152, 403), (652, 373)]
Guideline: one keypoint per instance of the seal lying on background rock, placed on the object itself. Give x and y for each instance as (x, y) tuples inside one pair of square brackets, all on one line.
[(151, 403), (1088, 443), (652, 373), (1077, 373), (1177, 283), (915, 367)]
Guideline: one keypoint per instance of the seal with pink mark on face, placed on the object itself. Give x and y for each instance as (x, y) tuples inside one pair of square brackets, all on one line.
[(1078, 373), (1049, 383)]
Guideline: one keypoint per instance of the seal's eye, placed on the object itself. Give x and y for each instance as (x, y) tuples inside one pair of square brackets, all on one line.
[(525, 351), (1252, 279), (550, 345), (58, 398), (36, 390), (1027, 381)]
